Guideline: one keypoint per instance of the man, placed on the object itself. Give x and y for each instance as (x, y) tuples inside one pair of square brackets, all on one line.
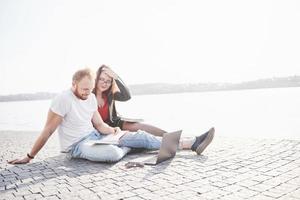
[(74, 113)]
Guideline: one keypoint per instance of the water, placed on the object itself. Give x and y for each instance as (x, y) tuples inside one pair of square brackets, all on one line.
[(269, 113)]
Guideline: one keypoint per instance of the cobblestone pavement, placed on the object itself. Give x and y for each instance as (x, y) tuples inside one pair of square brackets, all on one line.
[(231, 168)]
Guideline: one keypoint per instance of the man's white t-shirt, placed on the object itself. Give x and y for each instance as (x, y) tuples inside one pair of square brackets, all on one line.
[(77, 117)]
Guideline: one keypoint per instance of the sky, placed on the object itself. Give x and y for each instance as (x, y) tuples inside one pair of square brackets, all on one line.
[(42, 43)]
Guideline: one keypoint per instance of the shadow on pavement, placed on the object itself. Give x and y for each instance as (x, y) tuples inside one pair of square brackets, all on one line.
[(23, 175)]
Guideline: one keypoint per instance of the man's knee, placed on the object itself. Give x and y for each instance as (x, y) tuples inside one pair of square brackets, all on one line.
[(103, 153)]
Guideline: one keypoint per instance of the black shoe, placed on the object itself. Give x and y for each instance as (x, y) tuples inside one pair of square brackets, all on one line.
[(203, 141)]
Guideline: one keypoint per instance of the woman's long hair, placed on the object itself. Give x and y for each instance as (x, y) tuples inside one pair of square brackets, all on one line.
[(99, 71)]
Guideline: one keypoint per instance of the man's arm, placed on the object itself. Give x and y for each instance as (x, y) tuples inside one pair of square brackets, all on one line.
[(101, 126), (53, 120)]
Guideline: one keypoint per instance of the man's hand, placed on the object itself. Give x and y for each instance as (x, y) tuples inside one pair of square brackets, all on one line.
[(117, 130), (20, 161)]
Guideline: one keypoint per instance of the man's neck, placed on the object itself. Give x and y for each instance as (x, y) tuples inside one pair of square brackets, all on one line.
[(75, 95)]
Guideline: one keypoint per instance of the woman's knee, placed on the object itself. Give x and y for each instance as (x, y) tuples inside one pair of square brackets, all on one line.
[(131, 126)]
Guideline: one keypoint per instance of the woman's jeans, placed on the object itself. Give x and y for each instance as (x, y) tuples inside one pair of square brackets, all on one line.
[(111, 153)]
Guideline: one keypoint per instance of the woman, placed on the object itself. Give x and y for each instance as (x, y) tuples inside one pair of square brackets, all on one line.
[(110, 88)]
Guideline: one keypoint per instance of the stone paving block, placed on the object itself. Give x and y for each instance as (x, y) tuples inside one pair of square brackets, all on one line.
[(261, 187), (88, 185), (48, 193), (295, 194), (21, 193), (248, 183), (10, 187), (126, 194), (18, 198), (172, 190), (140, 191), (101, 193), (246, 193), (260, 178), (5, 196), (153, 187), (261, 197), (273, 193), (209, 195), (161, 192), (219, 184), (134, 198), (230, 197), (295, 181), (63, 190), (274, 181), (112, 190), (48, 187), (233, 188), (76, 188), (288, 187), (51, 198), (33, 196), (126, 188)]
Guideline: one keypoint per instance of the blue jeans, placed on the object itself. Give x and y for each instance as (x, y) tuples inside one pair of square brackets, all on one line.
[(113, 153)]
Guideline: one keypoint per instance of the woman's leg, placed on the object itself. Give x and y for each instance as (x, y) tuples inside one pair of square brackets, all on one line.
[(135, 126)]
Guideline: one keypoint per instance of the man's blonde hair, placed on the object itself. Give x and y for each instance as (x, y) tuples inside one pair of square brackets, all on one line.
[(80, 74)]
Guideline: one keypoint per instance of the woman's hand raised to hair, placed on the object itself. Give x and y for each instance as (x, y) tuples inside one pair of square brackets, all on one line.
[(110, 73), (114, 87)]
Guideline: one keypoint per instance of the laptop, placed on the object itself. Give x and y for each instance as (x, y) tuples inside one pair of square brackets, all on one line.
[(168, 148)]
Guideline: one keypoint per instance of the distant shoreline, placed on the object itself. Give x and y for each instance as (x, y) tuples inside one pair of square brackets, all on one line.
[(165, 88)]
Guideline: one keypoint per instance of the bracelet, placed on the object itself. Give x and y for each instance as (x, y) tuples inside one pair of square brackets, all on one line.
[(29, 156)]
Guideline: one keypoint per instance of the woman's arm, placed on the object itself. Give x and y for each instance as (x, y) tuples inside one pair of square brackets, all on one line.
[(123, 94), (119, 89)]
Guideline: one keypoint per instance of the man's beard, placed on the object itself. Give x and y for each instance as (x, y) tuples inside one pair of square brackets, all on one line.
[(80, 96)]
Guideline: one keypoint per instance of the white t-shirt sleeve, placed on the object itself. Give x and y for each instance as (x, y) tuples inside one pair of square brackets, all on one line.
[(94, 102), (60, 105)]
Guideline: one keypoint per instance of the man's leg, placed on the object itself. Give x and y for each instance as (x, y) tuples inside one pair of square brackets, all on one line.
[(99, 153), (102, 153), (203, 141), (140, 139)]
